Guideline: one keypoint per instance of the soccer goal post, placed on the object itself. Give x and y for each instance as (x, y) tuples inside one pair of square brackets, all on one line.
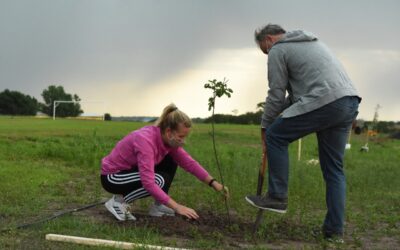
[(58, 102)]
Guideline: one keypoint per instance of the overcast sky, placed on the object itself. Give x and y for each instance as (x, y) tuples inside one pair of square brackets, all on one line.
[(138, 56)]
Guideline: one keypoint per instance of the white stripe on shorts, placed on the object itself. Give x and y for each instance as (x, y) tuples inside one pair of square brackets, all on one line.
[(141, 192), (119, 181)]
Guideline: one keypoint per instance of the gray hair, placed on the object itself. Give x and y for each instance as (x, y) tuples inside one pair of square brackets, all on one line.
[(270, 29)]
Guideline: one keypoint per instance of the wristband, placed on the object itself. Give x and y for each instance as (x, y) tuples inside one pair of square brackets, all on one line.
[(211, 182)]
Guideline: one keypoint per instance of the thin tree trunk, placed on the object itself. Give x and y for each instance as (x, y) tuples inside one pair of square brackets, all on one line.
[(218, 164)]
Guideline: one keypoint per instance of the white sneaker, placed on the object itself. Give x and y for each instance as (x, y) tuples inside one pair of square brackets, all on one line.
[(159, 210), (118, 207)]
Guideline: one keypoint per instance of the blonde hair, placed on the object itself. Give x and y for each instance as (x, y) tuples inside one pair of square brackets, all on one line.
[(171, 117)]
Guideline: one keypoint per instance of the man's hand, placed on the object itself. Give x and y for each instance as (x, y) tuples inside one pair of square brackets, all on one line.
[(263, 141)]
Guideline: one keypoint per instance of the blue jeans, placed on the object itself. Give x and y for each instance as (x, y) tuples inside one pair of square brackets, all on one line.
[(331, 123)]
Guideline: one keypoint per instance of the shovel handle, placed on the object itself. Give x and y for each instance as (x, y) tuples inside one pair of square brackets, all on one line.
[(261, 174)]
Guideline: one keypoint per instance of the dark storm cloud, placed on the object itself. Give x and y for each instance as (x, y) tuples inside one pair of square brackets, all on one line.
[(149, 40), (80, 41)]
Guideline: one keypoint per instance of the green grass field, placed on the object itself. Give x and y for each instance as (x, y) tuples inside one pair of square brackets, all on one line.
[(50, 166)]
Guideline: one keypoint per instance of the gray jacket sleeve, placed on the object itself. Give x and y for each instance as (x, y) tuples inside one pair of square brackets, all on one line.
[(278, 82)]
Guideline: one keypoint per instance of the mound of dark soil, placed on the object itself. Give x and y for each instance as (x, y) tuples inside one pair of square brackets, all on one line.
[(228, 231)]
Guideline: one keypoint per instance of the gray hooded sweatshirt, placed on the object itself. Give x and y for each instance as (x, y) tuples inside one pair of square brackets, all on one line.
[(304, 68)]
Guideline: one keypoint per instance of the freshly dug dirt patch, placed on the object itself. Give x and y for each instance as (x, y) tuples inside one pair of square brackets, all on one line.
[(228, 231), (235, 232)]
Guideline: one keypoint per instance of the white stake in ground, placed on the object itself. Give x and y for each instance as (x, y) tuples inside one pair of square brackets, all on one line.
[(299, 151), (348, 145), (104, 243)]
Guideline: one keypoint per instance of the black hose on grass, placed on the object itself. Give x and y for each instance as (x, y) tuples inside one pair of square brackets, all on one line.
[(53, 216)]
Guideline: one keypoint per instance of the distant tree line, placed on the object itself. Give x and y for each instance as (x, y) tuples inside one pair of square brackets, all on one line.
[(386, 127), (17, 103), (107, 117), (247, 118)]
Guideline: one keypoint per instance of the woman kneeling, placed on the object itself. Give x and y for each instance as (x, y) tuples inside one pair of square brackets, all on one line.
[(144, 163)]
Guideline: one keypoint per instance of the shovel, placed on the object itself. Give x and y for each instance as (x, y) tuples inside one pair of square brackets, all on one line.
[(261, 177)]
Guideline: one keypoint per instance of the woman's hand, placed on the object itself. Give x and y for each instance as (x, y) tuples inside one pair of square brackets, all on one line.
[(220, 188), (186, 211), (182, 210)]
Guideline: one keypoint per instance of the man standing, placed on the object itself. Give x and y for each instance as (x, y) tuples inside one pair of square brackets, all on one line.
[(309, 91)]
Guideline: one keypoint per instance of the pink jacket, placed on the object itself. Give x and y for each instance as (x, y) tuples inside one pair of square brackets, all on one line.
[(143, 149)]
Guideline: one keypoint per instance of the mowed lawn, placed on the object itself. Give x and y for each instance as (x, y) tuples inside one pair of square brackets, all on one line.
[(50, 166)]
